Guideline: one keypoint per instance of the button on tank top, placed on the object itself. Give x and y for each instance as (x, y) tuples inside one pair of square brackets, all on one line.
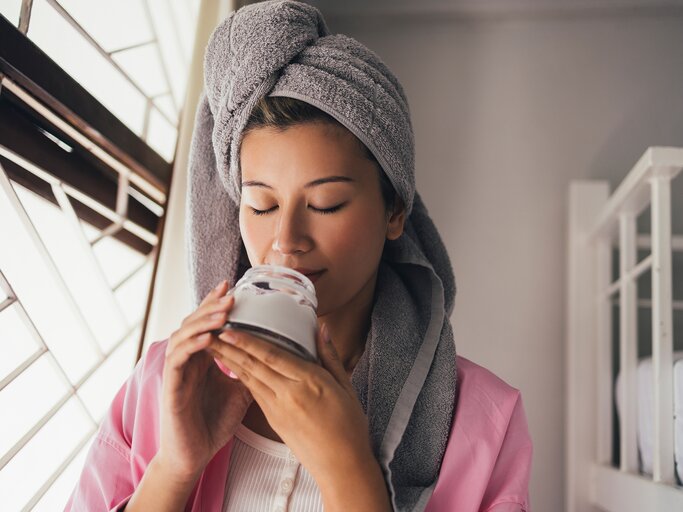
[(264, 475)]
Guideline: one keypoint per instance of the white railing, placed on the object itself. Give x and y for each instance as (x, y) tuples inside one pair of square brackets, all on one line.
[(596, 221)]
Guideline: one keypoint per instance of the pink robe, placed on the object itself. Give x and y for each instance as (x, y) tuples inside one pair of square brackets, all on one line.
[(486, 466)]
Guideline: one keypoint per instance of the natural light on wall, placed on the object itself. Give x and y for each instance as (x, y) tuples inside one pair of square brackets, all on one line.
[(72, 297)]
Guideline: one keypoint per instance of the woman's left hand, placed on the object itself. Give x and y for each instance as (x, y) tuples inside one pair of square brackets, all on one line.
[(313, 408)]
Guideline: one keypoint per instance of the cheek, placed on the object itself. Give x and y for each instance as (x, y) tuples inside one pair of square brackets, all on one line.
[(354, 248), (255, 235), (356, 239)]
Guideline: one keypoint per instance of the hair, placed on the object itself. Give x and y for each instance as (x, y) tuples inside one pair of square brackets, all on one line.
[(280, 113)]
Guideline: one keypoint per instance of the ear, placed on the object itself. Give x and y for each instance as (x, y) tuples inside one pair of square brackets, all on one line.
[(396, 223)]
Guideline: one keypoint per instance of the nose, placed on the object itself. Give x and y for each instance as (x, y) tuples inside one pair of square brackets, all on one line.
[(291, 236)]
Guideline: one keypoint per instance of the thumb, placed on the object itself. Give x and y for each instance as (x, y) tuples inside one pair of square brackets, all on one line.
[(330, 357)]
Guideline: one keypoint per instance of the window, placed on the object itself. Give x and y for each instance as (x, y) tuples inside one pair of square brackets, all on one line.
[(90, 99)]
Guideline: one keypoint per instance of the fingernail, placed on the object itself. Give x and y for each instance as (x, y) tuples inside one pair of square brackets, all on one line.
[(220, 284), (326, 334)]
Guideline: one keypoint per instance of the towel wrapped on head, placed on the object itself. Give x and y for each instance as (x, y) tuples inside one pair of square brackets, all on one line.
[(406, 377)]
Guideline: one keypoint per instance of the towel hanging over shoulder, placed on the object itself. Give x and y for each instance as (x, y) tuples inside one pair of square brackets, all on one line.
[(406, 377)]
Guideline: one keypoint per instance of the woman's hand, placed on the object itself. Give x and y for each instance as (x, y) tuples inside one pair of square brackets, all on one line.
[(201, 407), (313, 408)]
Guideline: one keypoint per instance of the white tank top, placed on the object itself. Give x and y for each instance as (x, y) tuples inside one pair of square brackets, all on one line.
[(264, 475)]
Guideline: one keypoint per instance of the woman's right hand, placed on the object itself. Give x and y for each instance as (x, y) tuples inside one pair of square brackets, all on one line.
[(201, 406)]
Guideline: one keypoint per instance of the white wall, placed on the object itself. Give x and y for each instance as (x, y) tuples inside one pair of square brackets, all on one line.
[(506, 111)]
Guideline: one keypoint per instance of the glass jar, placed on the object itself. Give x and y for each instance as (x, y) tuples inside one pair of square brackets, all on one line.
[(277, 304)]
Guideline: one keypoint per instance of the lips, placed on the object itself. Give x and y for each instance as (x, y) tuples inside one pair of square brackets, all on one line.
[(312, 274), (314, 277)]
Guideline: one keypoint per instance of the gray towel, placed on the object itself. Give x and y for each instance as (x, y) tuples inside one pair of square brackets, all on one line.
[(406, 377)]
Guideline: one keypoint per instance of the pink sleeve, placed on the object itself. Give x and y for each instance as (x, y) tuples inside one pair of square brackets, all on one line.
[(487, 464), (98, 489), (508, 487), (111, 471)]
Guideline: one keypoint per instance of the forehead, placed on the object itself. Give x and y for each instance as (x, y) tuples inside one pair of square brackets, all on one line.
[(302, 152)]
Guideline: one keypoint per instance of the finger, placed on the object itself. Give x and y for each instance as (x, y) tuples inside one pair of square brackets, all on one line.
[(211, 304), (260, 379), (177, 357), (211, 320), (330, 357), (219, 290), (277, 358), (250, 365)]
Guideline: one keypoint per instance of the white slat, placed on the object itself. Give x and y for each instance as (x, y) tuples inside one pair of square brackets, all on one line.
[(662, 326), (628, 355), (586, 199), (9, 197), (100, 290), (604, 353), (632, 194)]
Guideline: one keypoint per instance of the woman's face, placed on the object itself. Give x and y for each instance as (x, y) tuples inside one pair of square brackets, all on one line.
[(312, 201)]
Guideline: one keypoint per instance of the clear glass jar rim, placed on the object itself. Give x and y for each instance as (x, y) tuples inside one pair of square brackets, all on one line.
[(303, 284)]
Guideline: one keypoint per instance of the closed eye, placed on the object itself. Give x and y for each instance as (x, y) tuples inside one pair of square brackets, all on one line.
[(261, 212), (323, 211)]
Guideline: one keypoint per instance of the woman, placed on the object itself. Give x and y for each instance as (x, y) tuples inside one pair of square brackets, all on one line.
[(303, 156)]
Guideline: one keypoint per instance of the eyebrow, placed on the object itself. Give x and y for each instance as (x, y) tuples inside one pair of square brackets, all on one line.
[(319, 181)]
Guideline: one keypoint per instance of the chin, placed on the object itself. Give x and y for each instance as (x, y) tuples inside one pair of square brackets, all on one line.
[(324, 306)]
